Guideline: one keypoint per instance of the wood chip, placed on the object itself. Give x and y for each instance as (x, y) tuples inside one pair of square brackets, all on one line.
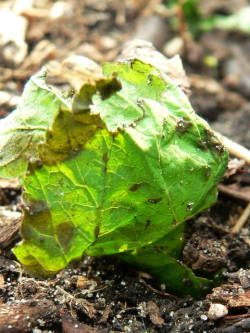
[(27, 315), (154, 313), (82, 282), (2, 282), (71, 325), (10, 223), (235, 295), (105, 314)]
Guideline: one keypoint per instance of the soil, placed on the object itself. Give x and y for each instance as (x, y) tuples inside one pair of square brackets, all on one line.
[(103, 294)]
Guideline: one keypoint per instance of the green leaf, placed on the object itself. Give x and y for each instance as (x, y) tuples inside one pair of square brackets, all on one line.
[(25, 127), (118, 173), (239, 21), (160, 259)]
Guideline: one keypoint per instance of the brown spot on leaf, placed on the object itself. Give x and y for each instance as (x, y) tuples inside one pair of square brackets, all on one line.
[(97, 230), (42, 239), (183, 126), (105, 157), (34, 217), (64, 233), (135, 187), (154, 201), (108, 87)]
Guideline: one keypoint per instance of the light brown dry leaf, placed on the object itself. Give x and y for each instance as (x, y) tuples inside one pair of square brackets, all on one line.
[(13, 30), (75, 69), (43, 51), (154, 313)]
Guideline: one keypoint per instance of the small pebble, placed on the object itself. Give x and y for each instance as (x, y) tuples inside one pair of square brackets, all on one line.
[(217, 311), (203, 317)]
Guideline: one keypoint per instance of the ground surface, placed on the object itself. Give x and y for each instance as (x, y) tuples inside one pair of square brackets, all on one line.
[(102, 294)]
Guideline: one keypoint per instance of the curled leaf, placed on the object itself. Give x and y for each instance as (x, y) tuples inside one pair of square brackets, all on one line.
[(25, 127), (119, 172)]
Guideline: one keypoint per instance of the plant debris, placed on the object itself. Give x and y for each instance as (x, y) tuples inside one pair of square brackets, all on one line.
[(217, 64)]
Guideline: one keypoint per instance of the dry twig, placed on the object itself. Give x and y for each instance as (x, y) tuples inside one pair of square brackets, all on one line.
[(242, 220), (238, 151), (234, 193)]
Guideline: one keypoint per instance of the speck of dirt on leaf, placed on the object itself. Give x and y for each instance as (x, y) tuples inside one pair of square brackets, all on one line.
[(154, 201), (189, 206), (42, 239), (105, 157), (174, 223), (39, 164)]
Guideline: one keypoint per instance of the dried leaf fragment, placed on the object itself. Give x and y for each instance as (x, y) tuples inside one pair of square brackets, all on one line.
[(154, 313)]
